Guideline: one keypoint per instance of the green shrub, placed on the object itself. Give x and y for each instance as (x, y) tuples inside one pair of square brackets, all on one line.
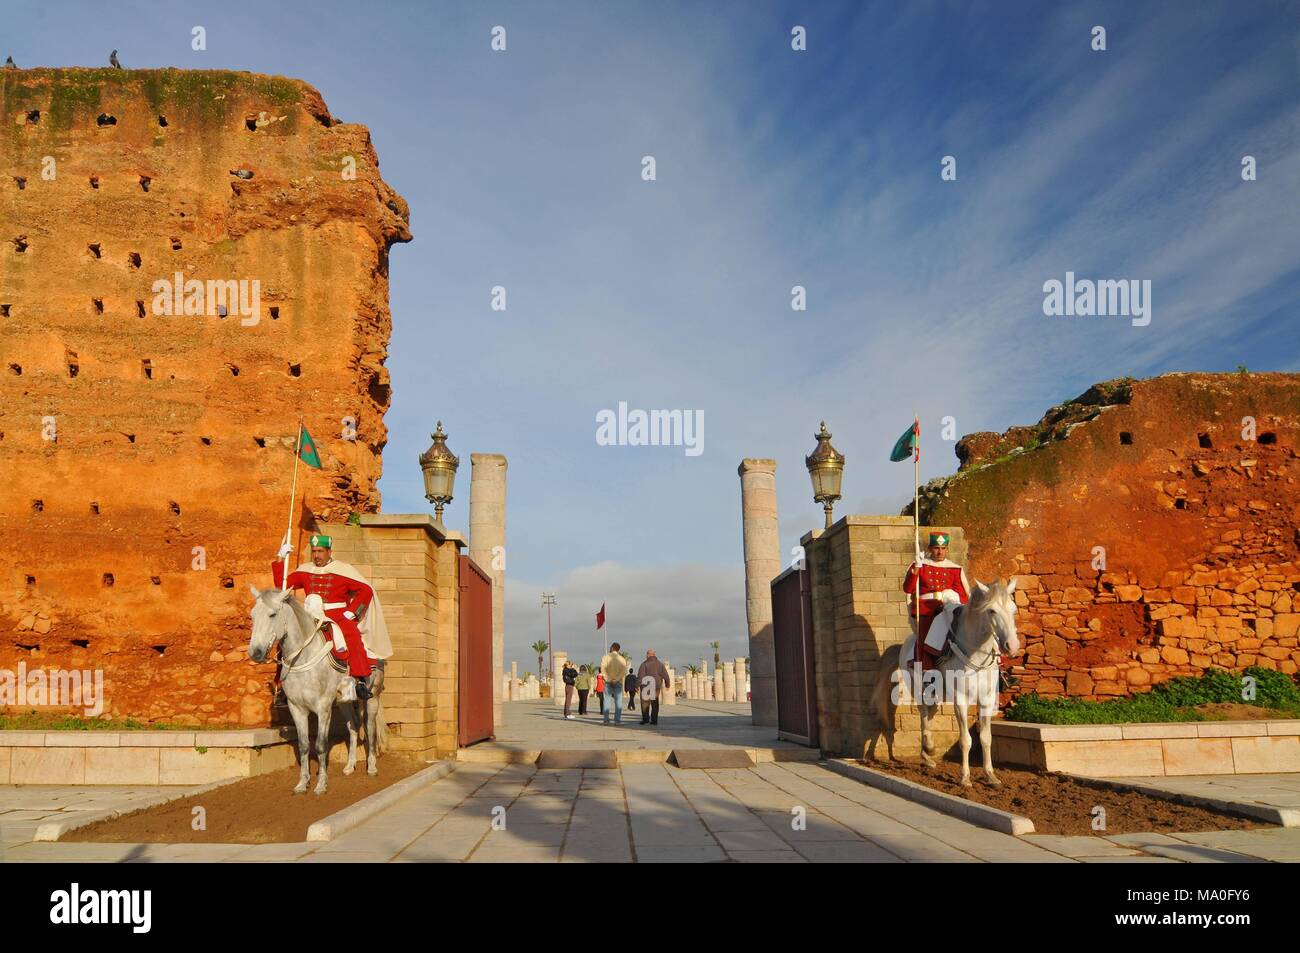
[(1174, 700)]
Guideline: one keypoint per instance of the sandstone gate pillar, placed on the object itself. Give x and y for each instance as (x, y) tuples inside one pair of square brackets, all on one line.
[(557, 677), (487, 547), (762, 565), (412, 562)]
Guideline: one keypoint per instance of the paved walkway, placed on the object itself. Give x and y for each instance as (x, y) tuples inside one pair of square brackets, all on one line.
[(25, 807), (776, 812), (1265, 790), (538, 724)]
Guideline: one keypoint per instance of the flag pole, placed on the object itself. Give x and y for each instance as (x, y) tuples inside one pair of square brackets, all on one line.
[(916, 516), (293, 496)]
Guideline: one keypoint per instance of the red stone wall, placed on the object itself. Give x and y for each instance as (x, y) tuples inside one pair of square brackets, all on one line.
[(99, 527), (1199, 527)]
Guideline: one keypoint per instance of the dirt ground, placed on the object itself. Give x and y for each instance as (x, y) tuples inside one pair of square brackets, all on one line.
[(1061, 805), (260, 810), (1236, 711)]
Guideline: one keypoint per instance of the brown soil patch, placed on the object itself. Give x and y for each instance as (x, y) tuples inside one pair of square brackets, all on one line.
[(260, 810), (1060, 805), (1236, 711)]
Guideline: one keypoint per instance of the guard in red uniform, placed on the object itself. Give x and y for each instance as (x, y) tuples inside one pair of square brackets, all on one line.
[(345, 597), (942, 582)]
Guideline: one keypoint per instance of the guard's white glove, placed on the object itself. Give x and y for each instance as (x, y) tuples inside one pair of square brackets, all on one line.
[(285, 550), (920, 558), (349, 616)]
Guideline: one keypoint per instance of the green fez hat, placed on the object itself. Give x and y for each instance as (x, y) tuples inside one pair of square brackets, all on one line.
[(320, 539), (938, 539)]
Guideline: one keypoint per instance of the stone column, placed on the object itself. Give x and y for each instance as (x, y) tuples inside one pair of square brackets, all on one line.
[(762, 565), (557, 677), (487, 536), (670, 691), (729, 681), (719, 686), (514, 683), (742, 680)]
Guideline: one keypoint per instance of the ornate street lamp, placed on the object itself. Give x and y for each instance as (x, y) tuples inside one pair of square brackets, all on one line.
[(826, 468), (439, 465)]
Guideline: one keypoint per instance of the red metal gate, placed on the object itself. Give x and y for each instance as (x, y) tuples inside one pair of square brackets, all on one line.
[(475, 668), (796, 687)]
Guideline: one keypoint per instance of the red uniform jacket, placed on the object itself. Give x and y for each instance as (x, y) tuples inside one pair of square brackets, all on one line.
[(935, 578), (340, 594), (332, 588)]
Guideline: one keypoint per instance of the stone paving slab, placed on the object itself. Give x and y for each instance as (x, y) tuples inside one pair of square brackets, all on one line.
[(658, 813), (1277, 793)]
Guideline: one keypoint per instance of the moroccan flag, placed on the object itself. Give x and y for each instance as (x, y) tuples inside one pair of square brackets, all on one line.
[(907, 444), (600, 617), (307, 450)]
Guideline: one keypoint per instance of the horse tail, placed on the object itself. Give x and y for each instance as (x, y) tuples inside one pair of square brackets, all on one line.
[(882, 693), (381, 728)]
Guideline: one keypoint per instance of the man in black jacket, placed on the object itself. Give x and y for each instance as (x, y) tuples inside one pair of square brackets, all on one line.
[(629, 689), (570, 675)]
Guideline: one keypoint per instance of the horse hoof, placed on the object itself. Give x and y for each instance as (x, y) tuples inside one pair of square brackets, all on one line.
[(966, 783), (348, 769), (300, 789), (372, 771), (994, 782), (318, 790)]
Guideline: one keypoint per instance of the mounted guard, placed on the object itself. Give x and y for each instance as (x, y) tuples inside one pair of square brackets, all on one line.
[(339, 597)]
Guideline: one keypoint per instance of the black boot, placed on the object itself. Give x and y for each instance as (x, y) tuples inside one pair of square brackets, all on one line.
[(1007, 681), (363, 690)]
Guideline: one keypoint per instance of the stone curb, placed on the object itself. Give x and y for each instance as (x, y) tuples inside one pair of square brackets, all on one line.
[(1281, 816), (634, 755), (53, 830), (980, 814), (327, 828)]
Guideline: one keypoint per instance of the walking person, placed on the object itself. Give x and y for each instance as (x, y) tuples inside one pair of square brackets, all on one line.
[(629, 689), (583, 684), (653, 679), (570, 675), (600, 691), (614, 667)]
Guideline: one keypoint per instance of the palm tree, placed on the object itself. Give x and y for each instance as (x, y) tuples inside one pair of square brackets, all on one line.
[(540, 648), (693, 669), (717, 659)]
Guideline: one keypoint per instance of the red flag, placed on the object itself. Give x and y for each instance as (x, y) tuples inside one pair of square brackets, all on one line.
[(600, 617)]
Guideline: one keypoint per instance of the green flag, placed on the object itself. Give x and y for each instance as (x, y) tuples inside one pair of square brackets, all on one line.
[(307, 450), (905, 446)]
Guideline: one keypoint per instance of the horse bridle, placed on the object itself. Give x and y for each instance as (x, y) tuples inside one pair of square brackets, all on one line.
[(1000, 644), (287, 665)]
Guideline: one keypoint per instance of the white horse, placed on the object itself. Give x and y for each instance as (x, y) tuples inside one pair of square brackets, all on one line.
[(984, 630), (311, 683)]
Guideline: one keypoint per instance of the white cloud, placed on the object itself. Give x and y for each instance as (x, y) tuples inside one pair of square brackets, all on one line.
[(675, 610)]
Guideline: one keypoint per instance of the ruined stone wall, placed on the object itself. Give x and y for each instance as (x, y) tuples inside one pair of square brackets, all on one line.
[(128, 436), (1199, 527)]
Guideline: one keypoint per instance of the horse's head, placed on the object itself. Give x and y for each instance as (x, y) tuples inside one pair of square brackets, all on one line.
[(998, 601), (271, 613)]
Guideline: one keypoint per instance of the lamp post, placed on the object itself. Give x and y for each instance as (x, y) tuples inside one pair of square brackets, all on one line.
[(826, 469), (439, 465), (548, 600)]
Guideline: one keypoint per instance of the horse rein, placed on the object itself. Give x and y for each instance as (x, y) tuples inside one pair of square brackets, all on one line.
[(994, 654), (287, 665)]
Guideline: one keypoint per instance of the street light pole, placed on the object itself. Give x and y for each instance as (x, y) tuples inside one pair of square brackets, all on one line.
[(548, 600)]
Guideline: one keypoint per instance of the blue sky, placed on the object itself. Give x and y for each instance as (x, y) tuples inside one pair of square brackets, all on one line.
[(775, 169)]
